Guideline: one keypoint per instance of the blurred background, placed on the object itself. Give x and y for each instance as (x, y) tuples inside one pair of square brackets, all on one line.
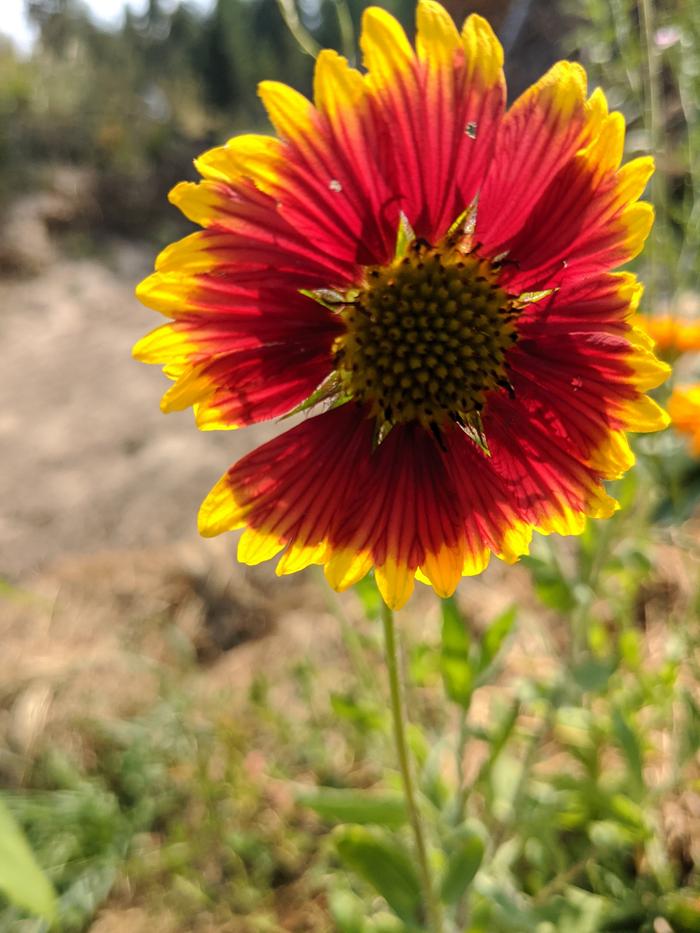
[(164, 711)]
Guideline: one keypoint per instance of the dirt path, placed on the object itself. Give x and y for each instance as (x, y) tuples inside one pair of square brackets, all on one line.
[(88, 460)]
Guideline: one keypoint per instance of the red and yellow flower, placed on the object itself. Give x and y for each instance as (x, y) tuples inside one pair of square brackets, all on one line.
[(432, 271), (684, 409), (671, 334)]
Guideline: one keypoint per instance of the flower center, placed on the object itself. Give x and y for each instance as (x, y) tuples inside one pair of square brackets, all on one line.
[(427, 337)]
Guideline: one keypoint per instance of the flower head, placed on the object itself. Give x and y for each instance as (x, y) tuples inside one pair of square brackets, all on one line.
[(684, 409), (430, 271), (671, 334)]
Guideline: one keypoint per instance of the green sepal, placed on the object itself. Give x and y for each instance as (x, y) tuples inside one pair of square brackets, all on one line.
[(404, 237)]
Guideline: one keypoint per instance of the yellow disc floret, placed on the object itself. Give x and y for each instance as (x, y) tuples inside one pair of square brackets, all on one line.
[(427, 337)]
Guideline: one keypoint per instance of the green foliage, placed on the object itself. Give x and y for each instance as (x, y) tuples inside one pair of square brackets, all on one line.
[(464, 663), (133, 105), (355, 806), (465, 853), (457, 671), (609, 39), (385, 865), (21, 879), (494, 637), (542, 810)]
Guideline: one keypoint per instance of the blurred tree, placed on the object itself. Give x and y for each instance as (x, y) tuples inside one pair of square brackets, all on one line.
[(134, 103)]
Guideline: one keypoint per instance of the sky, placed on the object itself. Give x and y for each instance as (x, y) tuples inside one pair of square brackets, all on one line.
[(14, 23)]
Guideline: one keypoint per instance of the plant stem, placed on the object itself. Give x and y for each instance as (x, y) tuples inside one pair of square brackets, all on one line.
[(302, 36), (560, 882), (347, 30), (463, 790), (433, 910), (652, 120)]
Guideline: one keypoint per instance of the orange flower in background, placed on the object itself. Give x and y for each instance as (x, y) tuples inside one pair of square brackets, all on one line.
[(672, 334), (684, 409), (431, 272)]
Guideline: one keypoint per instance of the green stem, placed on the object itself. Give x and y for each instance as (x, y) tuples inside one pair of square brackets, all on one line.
[(433, 910), (347, 30), (302, 36), (652, 120), (351, 639), (462, 788)]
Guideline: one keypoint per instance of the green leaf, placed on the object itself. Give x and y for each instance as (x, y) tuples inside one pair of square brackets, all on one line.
[(424, 665), (630, 646), (365, 716), (355, 806), (631, 748), (551, 588), (386, 923), (683, 910), (593, 674), (611, 836), (370, 597), (629, 814), (494, 636), (466, 854), (383, 864), (455, 666), (677, 509), (500, 733), (347, 911), (21, 879), (690, 734)]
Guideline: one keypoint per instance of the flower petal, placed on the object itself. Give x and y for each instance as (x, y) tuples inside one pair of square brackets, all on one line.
[(423, 509), (247, 228), (440, 109), (401, 511), (294, 488), (586, 220), (250, 156), (252, 356), (491, 523), (600, 304), (539, 134), (325, 495), (329, 188), (671, 334), (548, 485), (563, 385), (580, 369)]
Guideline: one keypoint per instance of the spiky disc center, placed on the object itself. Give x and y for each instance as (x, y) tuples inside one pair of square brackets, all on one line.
[(427, 337)]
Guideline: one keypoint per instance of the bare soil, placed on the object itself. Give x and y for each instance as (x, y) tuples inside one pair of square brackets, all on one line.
[(89, 461)]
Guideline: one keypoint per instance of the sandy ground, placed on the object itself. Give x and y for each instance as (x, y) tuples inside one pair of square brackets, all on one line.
[(99, 494), (88, 460)]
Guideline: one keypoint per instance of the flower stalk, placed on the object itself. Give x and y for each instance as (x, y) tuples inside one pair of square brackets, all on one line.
[(651, 76), (398, 715)]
